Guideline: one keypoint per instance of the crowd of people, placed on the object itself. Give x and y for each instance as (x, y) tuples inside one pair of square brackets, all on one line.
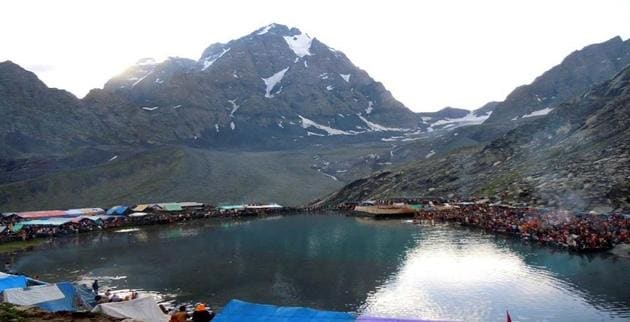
[(201, 314), (9, 224), (580, 232)]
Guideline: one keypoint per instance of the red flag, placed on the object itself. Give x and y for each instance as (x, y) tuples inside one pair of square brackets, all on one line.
[(509, 319)]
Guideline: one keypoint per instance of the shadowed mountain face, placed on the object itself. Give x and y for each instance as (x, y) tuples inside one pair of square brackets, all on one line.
[(577, 156), (35, 118)]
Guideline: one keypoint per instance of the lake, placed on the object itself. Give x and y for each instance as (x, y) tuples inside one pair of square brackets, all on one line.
[(333, 262)]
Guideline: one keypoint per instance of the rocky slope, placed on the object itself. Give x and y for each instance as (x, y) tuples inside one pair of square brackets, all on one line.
[(274, 84), (577, 156), (577, 73), (35, 118)]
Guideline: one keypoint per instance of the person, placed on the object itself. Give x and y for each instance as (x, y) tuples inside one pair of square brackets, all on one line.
[(201, 314), (180, 315), (95, 286), (116, 298)]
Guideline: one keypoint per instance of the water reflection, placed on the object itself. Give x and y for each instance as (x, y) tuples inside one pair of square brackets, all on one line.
[(452, 273)]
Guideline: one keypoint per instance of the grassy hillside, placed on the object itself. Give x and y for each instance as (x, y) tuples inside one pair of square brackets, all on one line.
[(177, 174)]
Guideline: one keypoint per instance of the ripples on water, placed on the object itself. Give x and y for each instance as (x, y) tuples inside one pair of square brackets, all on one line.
[(382, 268)]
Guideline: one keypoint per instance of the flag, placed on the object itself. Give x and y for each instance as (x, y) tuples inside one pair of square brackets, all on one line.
[(509, 319)]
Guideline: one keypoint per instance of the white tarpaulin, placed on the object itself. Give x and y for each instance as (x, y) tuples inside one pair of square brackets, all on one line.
[(32, 295), (142, 309)]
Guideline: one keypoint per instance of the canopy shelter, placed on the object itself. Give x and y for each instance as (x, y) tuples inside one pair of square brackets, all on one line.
[(41, 214), (117, 211), (172, 206), (238, 310), (141, 207), (141, 309), (85, 212)]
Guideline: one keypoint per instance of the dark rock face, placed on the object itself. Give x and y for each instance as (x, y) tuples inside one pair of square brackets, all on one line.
[(577, 73), (577, 156)]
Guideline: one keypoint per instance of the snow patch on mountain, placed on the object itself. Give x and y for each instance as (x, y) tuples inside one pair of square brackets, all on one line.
[(542, 112), (300, 44), (468, 119), (306, 123), (265, 29), (208, 61), (216, 127), (232, 125), (379, 128), (430, 154), (330, 87), (146, 108), (142, 78), (234, 107), (370, 107), (345, 77), (271, 81)]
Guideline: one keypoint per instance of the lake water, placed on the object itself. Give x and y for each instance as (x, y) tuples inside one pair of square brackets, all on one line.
[(385, 268)]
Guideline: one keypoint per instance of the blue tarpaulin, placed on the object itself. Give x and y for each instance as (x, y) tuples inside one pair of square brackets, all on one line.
[(12, 281), (67, 303), (239, 311), (117, 210)]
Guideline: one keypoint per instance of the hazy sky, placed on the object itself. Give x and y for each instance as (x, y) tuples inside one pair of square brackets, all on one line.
[(430, 54)]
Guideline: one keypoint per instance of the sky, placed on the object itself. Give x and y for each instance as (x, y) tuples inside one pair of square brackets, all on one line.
[(429, 54)]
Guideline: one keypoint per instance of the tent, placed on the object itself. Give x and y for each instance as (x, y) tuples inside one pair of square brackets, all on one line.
[(85, 212), (238, 310), (11, 281), (49, 297), (141, 207), (142, 309), (41, 214), (117, 211), (171, 206)]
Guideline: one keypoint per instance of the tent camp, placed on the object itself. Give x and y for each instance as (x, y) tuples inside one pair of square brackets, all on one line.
[(50, 297), (238, 310), (141, 309)]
